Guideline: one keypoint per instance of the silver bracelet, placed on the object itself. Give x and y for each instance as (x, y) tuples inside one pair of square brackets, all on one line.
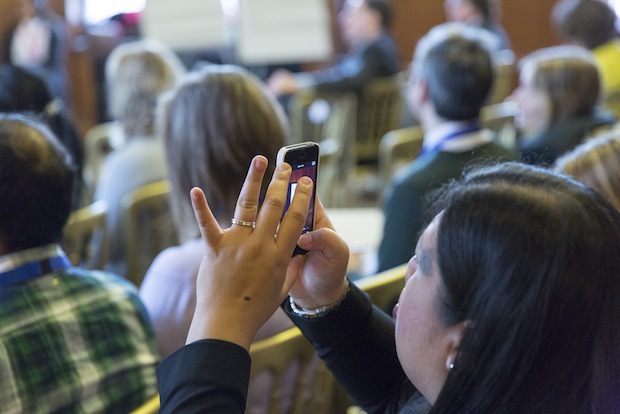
[(323, 310)]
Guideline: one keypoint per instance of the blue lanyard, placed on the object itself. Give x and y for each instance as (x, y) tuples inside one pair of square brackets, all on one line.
[(471, 128), (33, 270)]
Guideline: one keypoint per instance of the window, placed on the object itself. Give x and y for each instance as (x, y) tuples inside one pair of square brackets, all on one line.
[(96, 11)]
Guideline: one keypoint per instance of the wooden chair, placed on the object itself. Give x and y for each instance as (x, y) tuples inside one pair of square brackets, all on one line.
[(151, 406), (314, 391), (398, 148), (379, 111), (99, 141), (328, 119), (149, 227), (85, 236), (499, 118), (504, 77)]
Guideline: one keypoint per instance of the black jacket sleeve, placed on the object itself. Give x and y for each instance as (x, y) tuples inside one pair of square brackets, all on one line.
[(379, 58), (207, 376), (356, 341)]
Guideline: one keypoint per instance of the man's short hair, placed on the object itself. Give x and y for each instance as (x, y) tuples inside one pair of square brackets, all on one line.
[(36, 180), (456, 63), (384, 8), (591, 23)]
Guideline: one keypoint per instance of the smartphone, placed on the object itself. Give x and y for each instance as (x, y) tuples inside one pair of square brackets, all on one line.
[(304, 159)]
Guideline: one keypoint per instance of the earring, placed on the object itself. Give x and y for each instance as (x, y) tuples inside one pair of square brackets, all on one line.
[(450, 367)]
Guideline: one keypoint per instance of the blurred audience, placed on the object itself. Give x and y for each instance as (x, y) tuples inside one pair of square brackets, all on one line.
[(451, 76), (557, 97), (597, 164), (372, 52), (72, 340), (212, 126), (480, 13), (22, 91), (592, 24), (136, 74), (39, 42)]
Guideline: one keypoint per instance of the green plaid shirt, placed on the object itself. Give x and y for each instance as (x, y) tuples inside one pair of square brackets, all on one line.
[(73, 341)]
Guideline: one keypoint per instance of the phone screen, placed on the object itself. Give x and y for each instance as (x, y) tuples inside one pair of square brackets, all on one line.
[(303, 169), (303, 159)]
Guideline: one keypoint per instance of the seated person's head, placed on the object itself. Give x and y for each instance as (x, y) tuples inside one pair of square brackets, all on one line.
[(556, 84), (136, 74), (36, 177), (23, 91), (512, 297), (597, 164), (453, 70), (213, 124), (364, 20), (585, 23), (468, 11)]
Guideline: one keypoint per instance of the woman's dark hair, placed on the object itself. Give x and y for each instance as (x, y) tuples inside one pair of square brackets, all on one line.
[(591, 23), (385, 10), (24, 92), (530, 260)]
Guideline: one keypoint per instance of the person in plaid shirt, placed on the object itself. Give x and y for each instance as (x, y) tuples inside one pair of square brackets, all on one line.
[(71, 340)]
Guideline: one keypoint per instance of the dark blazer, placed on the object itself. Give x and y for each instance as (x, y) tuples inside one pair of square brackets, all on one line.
[(375, 59), (405, 208)]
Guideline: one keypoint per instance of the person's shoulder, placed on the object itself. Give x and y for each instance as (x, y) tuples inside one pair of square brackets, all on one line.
[(419, 172), (176, 262), (98, 280)]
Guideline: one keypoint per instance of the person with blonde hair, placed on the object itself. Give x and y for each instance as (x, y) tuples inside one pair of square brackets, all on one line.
[(136, 74), (557, 98), (597, 164)]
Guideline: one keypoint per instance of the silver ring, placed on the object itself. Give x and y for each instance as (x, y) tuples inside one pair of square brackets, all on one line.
[(243, 222)]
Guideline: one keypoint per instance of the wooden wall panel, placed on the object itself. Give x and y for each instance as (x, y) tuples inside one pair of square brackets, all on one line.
[(526, 21)]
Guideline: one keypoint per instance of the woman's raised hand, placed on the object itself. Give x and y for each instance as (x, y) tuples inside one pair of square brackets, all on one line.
[(243, 274)]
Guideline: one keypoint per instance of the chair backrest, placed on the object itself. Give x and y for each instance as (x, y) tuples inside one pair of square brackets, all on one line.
[(379, 111), (504, 77), (328, 119), (499, 118), (99, 141), (397, 148), (151, 406), (314, 389), (318, 116), (85, 237), (149, 227), (385, 287)]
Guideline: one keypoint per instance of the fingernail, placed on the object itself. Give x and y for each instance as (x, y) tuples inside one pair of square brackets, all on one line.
[(260, 162), (305, 180), (283, 167), (305, 239)]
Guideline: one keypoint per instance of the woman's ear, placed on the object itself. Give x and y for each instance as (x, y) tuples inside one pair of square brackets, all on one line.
[(455, 335)]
